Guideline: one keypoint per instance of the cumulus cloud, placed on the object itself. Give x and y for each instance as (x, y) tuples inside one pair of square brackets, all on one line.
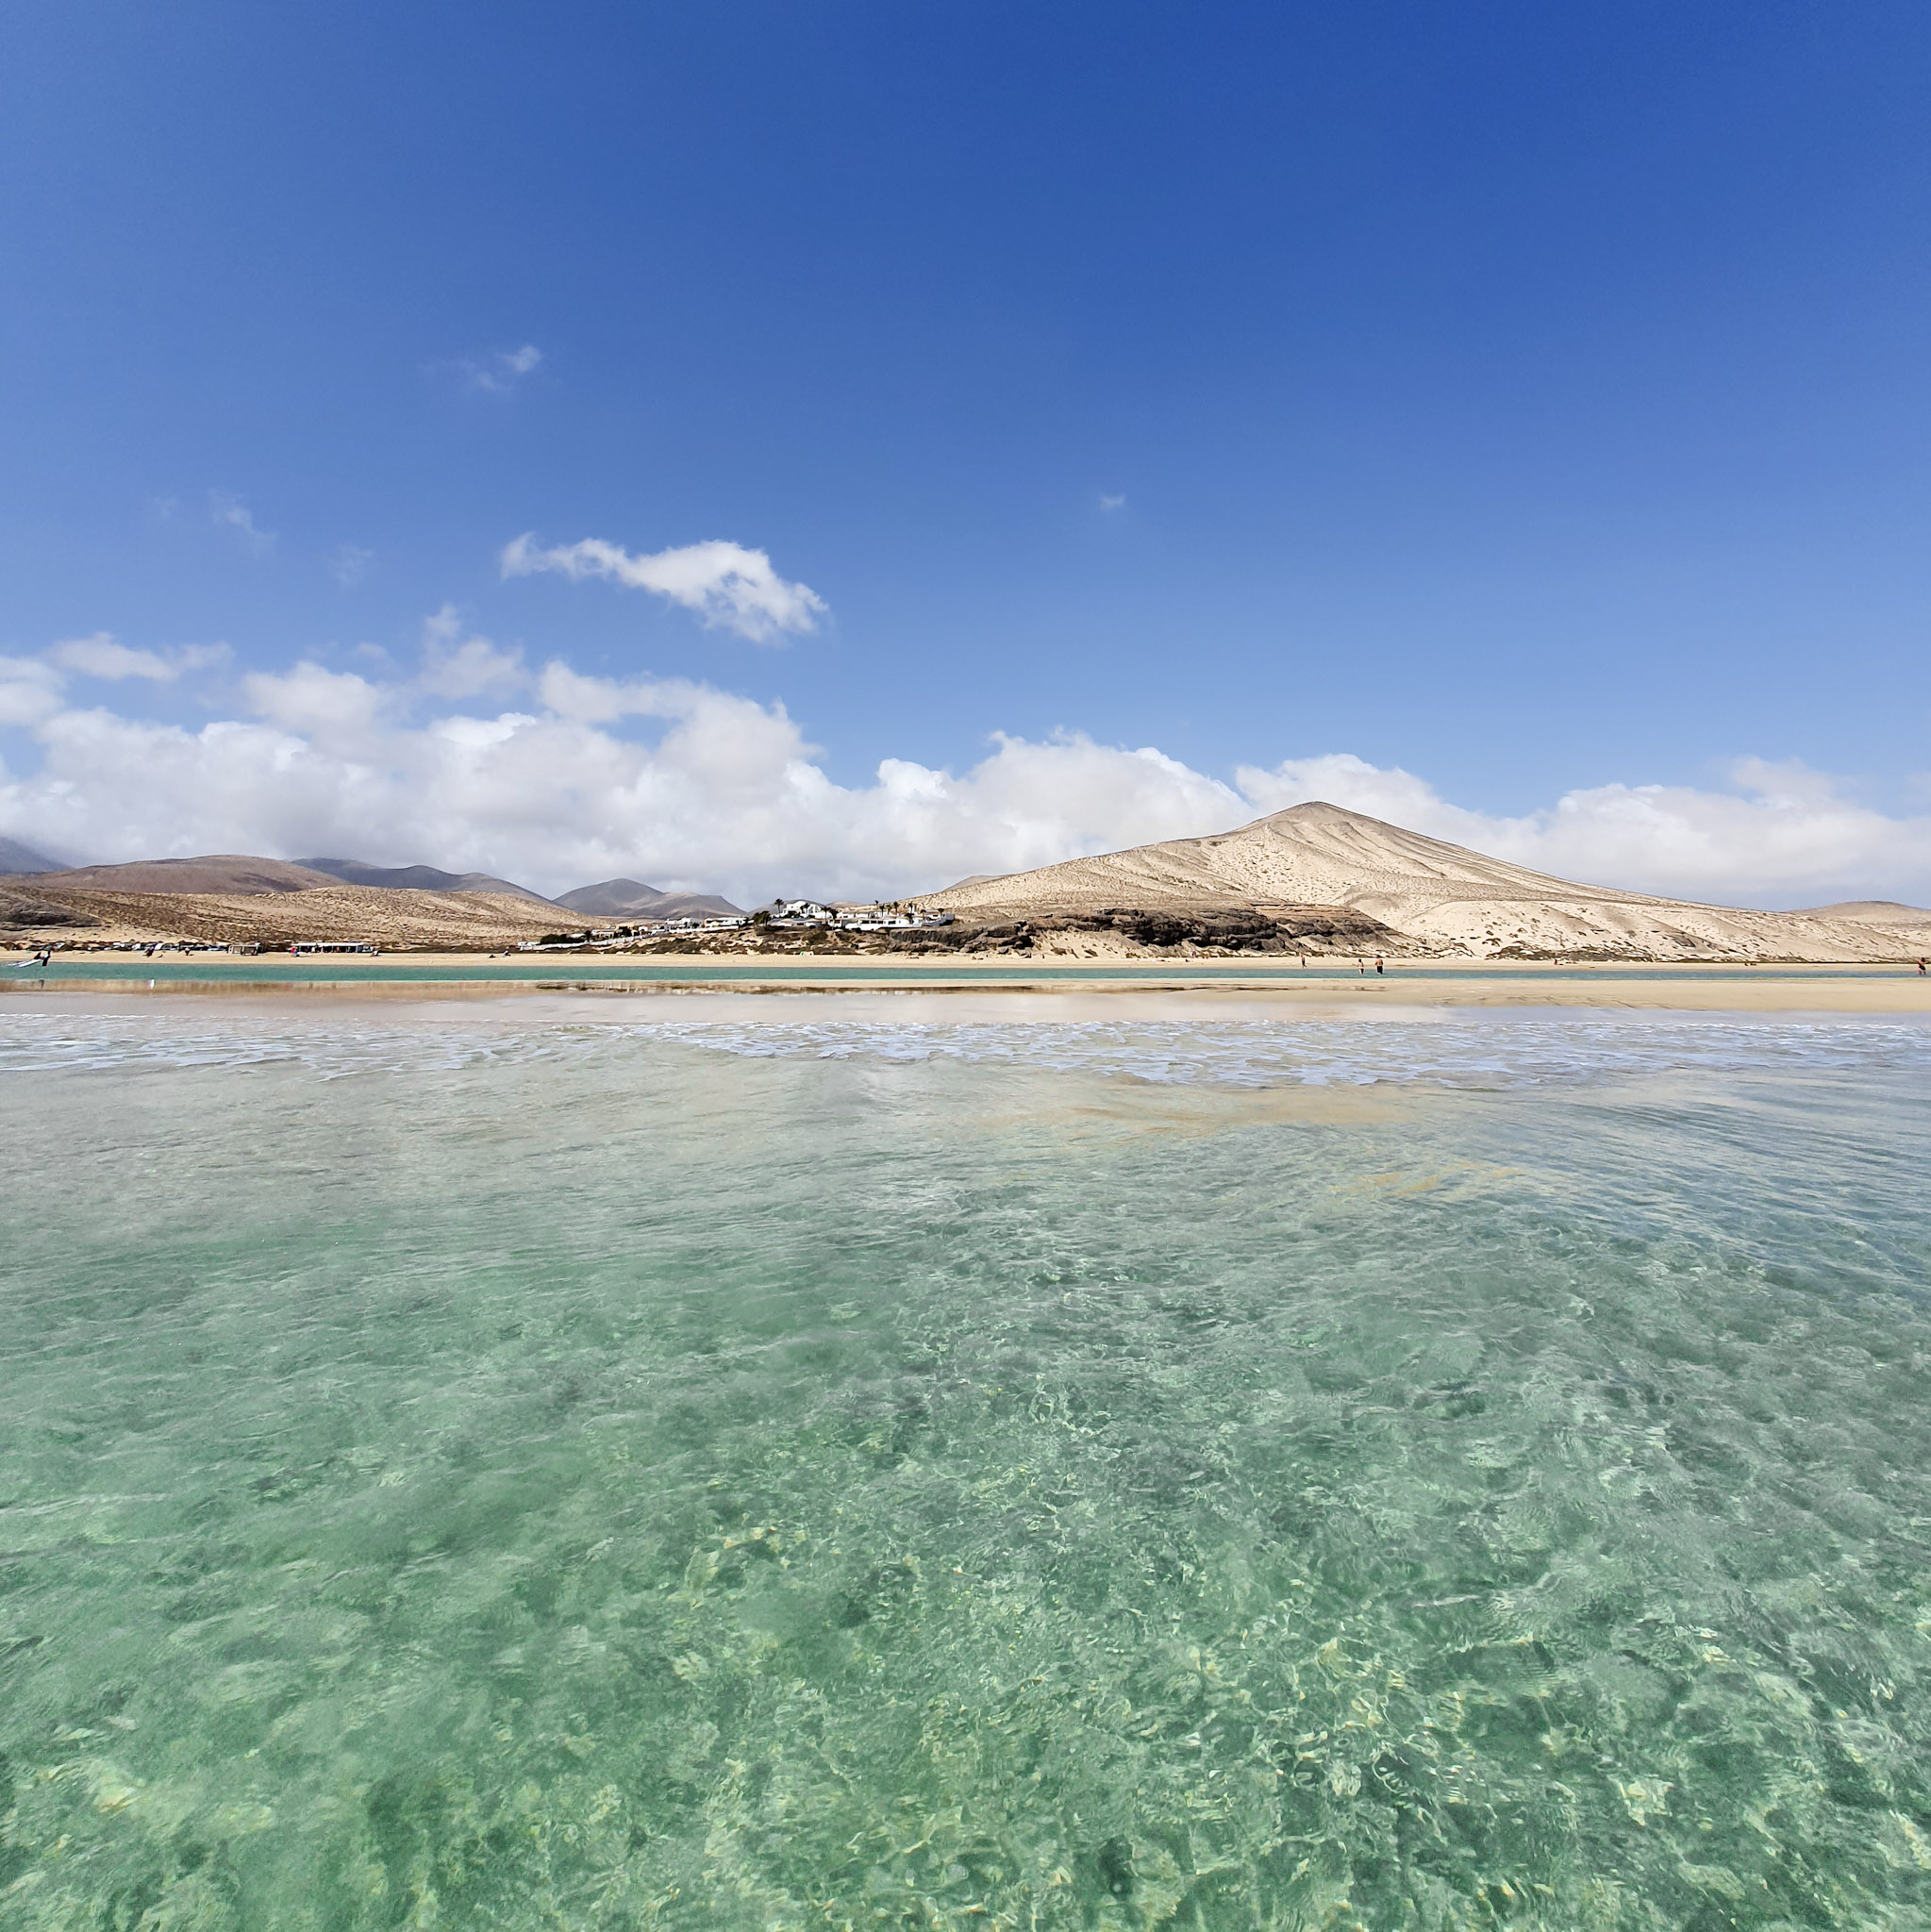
[(555, 777), (1784, 832), (30, 690), (335, 709), (500, 372), (102, 656), (455, 666), (729, 587)]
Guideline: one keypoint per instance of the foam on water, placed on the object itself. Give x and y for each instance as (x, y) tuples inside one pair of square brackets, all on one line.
[(750, 1474)]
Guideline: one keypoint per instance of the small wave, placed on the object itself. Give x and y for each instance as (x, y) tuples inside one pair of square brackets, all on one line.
[(1488, 1051), (1485, 1052)]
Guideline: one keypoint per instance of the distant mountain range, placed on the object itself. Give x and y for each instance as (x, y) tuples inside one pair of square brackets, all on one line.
[(629, 898), (16, 859), (419, 878), (242, 875), (236, 873)]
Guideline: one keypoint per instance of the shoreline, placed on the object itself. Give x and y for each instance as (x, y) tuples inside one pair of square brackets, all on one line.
[(1004, 990)]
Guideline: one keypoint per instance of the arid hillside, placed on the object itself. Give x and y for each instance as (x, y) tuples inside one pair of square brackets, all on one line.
[(1889, 914), (239, 899), (390, 919)]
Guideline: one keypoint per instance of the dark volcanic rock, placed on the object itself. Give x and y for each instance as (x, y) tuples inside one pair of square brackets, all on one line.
[(24, 909), (1230, 928)]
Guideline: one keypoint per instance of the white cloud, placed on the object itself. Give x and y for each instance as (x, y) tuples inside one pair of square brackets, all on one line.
[(102, 656), (230, 513), (335, 707), (729, 587), (1784, 833), (350, 564), (706, 789), (1110, 504), (499, 372), (455, 666), (30, 690)]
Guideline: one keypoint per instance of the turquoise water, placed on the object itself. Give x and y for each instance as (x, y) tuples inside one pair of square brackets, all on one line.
[(481, 1473), (561, 970)]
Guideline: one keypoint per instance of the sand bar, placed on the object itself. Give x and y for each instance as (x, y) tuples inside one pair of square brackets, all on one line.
[(1006, 985)]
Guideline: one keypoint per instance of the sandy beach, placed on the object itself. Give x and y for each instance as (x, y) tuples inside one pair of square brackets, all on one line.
[(584, 987)]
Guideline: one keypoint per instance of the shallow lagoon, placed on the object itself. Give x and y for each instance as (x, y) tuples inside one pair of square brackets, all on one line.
[(1295, 1473)]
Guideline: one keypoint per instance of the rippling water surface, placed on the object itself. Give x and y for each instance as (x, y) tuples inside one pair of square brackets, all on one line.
[(1446, 1473)]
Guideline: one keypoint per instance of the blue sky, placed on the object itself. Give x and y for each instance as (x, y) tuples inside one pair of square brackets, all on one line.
[(1525, 402)]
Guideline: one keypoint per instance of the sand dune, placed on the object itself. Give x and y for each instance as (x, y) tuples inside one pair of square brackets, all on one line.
[(1880, 912), (1446, 898)]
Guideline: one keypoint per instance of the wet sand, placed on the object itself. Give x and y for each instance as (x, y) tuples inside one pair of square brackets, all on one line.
[(1412, 995), (1002, 986)]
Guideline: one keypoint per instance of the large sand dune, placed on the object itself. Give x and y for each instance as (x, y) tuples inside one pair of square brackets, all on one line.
[(1879, 912), (1446, 898)]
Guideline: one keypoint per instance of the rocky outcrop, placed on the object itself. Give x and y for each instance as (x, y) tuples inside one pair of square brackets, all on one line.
[(1223, 928), (24, 909)]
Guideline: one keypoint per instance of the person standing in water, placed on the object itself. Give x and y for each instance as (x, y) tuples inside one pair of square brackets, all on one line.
[(1377, 964)]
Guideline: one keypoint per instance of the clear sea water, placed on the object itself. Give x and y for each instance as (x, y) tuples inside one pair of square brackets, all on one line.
[(479, 1474)]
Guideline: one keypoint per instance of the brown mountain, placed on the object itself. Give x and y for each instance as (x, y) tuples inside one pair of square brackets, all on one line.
[(390, 917), (419, 878), (226, 872)]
